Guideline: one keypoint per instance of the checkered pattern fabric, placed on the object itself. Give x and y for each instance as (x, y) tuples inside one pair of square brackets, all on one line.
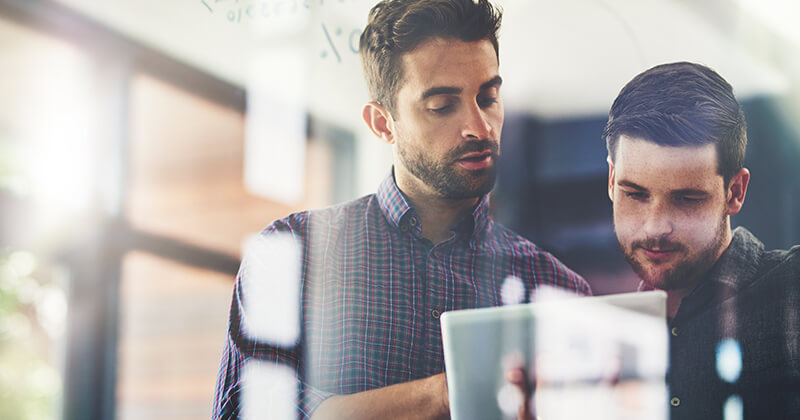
[(372, 291)]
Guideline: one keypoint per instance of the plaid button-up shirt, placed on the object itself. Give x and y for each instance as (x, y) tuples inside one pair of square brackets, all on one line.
[(372, 290)]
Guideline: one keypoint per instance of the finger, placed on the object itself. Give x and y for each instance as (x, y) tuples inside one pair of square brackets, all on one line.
[(519, 378), (516, 377)]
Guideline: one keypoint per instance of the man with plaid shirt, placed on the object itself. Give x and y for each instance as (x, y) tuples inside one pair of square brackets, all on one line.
[(377, 272)]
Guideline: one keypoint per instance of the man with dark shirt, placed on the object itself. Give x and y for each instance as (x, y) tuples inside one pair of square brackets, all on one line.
[(676, 139), (377, 272)]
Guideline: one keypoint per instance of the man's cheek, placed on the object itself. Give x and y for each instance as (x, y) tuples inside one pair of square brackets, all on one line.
[(625, 220), (695, 227)]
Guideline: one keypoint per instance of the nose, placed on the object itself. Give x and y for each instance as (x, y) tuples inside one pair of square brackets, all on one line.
[(658, 220), (476, 125)]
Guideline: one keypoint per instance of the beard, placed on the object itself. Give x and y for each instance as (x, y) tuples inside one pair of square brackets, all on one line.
[(445, 176), (686, 272)]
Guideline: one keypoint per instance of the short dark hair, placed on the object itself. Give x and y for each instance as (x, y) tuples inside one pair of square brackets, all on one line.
[(681, 104), (398, 26)]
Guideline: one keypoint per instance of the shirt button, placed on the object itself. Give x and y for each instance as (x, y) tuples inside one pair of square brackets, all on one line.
[(435, 314), (674, 331), (675, 401), (412, 221), (403, 228)]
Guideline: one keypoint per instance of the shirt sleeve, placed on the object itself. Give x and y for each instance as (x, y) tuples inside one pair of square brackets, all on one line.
[(548, 266), (241, 349), (238, 351)]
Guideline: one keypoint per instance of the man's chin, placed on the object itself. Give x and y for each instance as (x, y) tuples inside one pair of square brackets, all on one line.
[(478, 187), (666, 279), (658, 283), (649, 278), (655, 278), (478, 177)]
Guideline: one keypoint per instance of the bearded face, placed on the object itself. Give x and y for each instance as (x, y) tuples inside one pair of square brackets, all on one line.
[(671, 211)]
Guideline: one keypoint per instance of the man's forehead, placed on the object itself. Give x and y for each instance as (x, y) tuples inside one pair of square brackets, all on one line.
[(638, 148), (673, 167), (449, 62)]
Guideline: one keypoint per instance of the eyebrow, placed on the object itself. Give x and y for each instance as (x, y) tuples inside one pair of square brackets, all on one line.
[(496, 81), (452, 90), (441, 90), (632, 185)]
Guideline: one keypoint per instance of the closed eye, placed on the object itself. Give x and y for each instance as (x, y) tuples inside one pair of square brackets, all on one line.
[(442, 110), (690, 200), (636, 195), (486, 101)]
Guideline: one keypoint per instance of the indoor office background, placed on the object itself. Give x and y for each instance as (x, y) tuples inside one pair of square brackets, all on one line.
[(142, 142)]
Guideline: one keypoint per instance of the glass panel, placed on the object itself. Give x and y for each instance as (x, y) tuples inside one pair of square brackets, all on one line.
[(173, 320), (186, 174), (33, 307), (46, 162)]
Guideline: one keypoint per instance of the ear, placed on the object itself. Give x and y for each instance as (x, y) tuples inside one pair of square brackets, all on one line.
[(737, 189), (379, 121), (610, 178)]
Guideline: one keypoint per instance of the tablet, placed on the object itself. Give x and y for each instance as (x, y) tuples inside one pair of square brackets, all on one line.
[(594, 357)]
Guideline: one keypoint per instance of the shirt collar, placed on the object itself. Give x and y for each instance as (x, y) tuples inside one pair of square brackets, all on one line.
[(392, 202), (399, 213), (480, 222), (736, 267)]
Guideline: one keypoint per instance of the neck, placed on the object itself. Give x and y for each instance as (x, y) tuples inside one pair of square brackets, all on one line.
[(438, 215), (674, 299)]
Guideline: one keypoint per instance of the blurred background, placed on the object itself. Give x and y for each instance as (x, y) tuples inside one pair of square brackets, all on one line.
[(142, 142)]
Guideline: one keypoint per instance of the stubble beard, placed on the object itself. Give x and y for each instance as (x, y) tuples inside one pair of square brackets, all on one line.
[(445, 177), (685, 273)]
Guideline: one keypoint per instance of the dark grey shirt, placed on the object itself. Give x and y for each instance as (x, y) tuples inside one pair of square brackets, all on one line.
[(751, 296)]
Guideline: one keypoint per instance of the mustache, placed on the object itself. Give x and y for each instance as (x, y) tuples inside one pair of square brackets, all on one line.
[(657, 243), (476, 146)]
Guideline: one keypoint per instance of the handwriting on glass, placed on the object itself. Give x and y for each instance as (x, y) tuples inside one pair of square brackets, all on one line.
[(338, 40)]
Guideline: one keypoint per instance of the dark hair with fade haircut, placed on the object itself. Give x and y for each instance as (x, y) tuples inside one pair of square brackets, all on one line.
[(398, 26), (681, 104)]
